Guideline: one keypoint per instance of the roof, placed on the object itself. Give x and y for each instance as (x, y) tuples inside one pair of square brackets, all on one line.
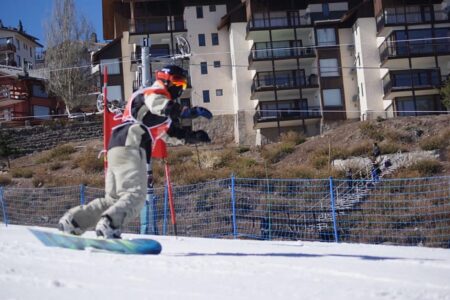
[(24, 34)]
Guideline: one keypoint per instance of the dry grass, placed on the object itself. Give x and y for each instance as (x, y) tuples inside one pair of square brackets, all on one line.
[(5, 180)]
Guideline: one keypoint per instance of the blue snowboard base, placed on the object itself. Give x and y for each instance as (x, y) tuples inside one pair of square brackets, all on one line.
[(132, 246)]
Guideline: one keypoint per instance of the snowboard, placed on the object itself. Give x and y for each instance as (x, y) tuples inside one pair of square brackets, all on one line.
[(131, 246)]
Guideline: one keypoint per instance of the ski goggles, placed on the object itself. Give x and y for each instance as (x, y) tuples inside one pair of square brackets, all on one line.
[(179, 81)]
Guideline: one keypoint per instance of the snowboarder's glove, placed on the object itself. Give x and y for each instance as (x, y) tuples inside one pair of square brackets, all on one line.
[(196, 111), (195, 137), (172, 110)]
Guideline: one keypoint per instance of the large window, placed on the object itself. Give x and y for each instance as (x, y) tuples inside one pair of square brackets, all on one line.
[(326, 37), (114, 93), (113, 66), (329, 67), (201, 40), (332, 97), (421, 105)]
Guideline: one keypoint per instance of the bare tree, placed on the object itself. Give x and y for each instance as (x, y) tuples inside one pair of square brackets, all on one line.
[(67, 57)]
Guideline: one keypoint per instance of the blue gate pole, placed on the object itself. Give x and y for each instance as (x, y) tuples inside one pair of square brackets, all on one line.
[(82, 196), (3, 207), (144, 218), (333, 211), (233, 206), (155, 215), (166, 200)]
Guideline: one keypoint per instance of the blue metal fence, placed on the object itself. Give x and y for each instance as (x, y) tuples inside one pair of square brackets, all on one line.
[(397, 211)]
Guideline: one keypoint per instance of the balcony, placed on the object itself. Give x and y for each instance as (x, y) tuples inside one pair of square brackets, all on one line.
[(282, 80), (288, 112), (262, 53), (140, 27), (404, 49), (414, 15), (401, 83)]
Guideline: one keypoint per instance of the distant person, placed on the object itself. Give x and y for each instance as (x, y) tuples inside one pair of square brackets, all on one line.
[(376, 151), (349, 177), (375, 172)]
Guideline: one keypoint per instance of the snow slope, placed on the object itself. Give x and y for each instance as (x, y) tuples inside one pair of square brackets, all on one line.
[(190, 268)]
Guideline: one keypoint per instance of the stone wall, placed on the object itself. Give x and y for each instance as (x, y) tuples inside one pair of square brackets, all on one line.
[(37, 138), (220, 128)]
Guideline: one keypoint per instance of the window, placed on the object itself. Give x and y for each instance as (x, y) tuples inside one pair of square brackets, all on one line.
[(204, 68), (42, 112), (199, 12), (212, 8), (326, 37), (201, 40), (329, 67), (114, 93), (113, 66), (215, 39), (217, 64), (18, 44), (39, 91), (219, 92), (19, 61), (206, 98), (332, 97)]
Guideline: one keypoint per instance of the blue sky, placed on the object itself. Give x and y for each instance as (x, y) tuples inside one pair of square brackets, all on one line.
[(33, 13)]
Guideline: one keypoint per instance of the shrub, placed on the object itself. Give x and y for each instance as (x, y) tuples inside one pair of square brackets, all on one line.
[(22, 173), (361, 149), (243, 149), (398, 136), (5, 180), (371, 131), (225, 159), (276, 152), (59, 153), (293, 137), (427, 167), (387, 148), (89, 162), (55, 166), (436, 142), (39, 179)]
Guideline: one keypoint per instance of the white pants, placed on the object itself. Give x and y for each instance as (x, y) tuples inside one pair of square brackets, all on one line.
[(125, 190)]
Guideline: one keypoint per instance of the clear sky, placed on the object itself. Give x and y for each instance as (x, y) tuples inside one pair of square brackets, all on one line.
[(33, 13)]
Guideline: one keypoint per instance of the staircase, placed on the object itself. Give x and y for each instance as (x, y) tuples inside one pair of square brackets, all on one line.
[(346, 198)]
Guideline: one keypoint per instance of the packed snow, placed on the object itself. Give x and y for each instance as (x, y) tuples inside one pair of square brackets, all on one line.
[(195, 268)]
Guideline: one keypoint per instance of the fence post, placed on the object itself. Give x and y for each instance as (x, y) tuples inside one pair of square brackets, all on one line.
[(233, 206), (82, 192), (166, 200), (333, 211), (2, 202)]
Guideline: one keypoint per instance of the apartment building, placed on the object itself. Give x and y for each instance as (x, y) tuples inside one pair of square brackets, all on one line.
[(17, 48), (267, 67)]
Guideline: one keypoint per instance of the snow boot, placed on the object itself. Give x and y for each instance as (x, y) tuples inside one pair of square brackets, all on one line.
[(105, 229), (68, 225)]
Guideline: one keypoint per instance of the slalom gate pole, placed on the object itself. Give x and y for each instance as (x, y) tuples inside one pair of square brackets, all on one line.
[(170, 194), (106, 128)]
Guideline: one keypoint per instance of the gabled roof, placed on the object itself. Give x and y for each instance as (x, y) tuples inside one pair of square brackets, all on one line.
[(24, 34)]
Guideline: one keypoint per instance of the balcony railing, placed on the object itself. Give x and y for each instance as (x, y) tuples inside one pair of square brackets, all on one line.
[(7, 48), (284, 21), (414, 79), (292, 79), (157, 25), (400, 18), (414, 48), (279, 50), (273, 115)]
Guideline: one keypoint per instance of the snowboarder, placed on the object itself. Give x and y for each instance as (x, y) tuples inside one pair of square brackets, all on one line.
[(129, 151)]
